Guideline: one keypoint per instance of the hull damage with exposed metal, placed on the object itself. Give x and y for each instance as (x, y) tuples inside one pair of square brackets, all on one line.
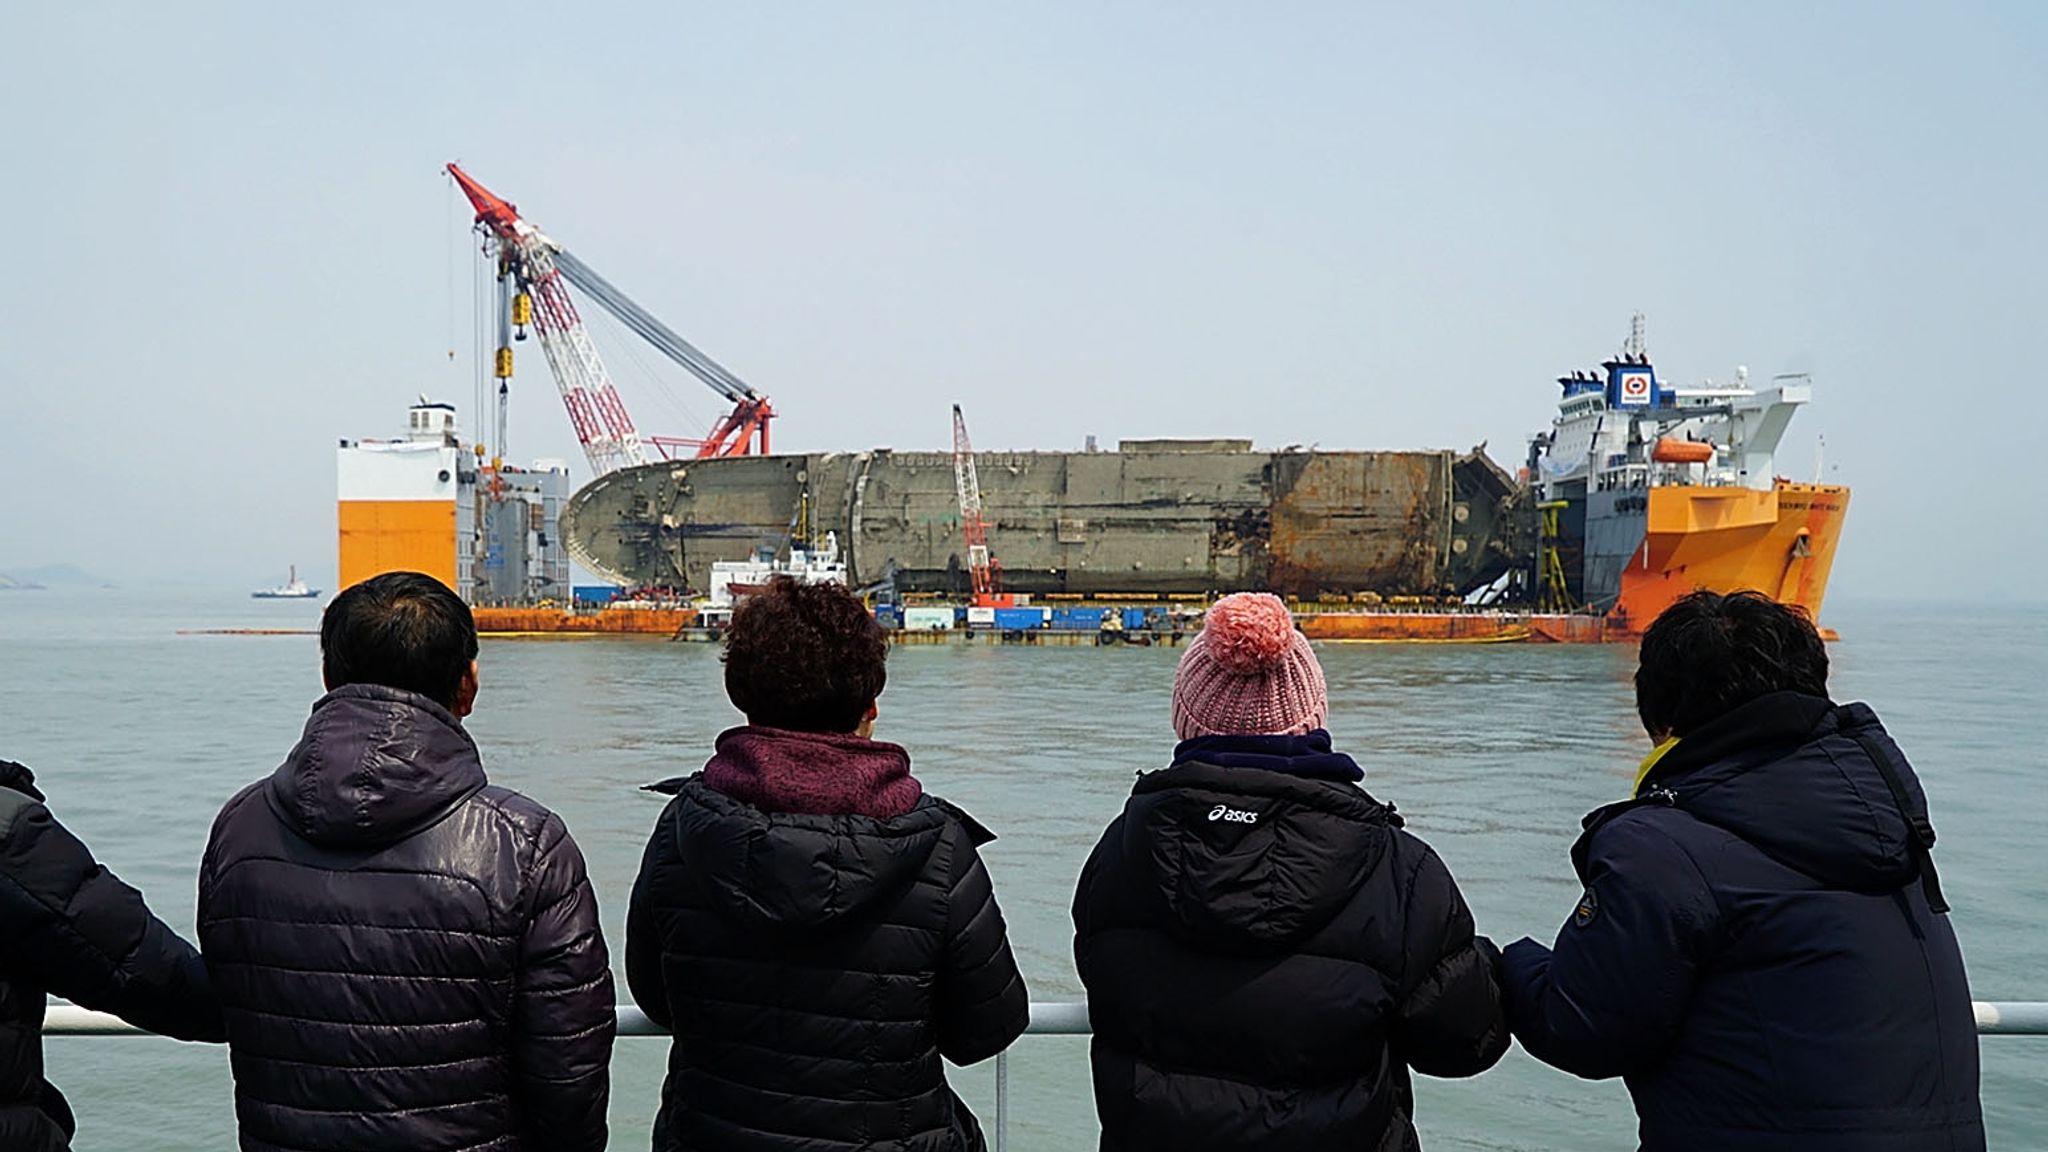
[(1154, 517)]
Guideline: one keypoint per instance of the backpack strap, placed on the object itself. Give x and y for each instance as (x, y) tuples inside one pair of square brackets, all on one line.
[(1919, 830)]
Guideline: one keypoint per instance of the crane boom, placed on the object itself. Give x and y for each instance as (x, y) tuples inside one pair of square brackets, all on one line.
[(525, 255), (544, 270), (983, 572), (737, 433)]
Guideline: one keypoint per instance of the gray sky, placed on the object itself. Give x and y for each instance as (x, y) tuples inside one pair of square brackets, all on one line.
[(1353, 225)]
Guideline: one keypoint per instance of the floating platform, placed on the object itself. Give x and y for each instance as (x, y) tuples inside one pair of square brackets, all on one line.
[(615, 620), (1456, 628)]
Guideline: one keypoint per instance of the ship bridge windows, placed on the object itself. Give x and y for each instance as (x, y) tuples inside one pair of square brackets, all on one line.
[(1629, 477)]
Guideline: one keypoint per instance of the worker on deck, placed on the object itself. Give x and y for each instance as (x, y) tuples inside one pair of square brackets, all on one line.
[(70, 927), (816, 929), (1761, 951), (1267, 954)]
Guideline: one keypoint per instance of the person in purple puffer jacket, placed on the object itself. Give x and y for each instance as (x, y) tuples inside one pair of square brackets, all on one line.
[(816, 929), (406, 955)]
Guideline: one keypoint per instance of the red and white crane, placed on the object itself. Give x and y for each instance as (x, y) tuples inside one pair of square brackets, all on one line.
[(984, 571), (534, 274)]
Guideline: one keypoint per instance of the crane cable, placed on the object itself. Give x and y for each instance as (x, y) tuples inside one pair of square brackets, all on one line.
[(652, 330), (650, 374)]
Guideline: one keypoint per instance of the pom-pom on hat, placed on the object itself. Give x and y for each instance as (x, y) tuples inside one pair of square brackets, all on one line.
[(1249, 673)]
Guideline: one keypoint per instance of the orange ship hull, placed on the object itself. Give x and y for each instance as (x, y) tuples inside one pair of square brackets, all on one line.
[(1779, 542), (1455, 628), (614, 621)]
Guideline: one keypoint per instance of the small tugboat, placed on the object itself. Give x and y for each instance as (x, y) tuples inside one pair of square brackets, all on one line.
[(292, 589)]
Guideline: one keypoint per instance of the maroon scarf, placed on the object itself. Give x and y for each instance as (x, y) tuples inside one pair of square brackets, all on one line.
[(813, 773)]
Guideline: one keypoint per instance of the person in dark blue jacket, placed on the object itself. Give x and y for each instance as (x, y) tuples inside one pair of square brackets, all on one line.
[(1762, 951)]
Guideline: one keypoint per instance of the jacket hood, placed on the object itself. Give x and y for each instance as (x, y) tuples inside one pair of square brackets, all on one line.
[(1798, 776), (20, 779), (374, 766), (785, 870), (1253, 860)]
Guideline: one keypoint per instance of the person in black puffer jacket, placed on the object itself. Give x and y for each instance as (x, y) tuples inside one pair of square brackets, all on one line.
[(815, 929), (1761, 952), (69, 926), (407, 956), (1267, 954)]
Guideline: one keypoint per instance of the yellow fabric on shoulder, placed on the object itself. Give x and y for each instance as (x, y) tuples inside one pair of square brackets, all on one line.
[(1650, 762)]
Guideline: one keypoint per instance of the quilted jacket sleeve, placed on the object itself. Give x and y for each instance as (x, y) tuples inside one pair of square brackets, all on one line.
[(982, 1004), (1450, 1020), (1085, 910), (643, 929), (1609, 997), (563, 1017), (69, 926)]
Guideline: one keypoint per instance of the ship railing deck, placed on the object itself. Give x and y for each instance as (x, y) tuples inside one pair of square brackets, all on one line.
[(1048, 1018)]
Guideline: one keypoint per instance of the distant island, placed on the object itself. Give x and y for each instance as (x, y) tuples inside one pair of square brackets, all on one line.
[(50, 576)]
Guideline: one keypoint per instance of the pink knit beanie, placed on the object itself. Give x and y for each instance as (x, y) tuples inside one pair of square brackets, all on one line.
[(1248, 673)]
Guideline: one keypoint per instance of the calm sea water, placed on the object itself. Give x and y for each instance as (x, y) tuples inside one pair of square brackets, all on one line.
[(1493, 753)]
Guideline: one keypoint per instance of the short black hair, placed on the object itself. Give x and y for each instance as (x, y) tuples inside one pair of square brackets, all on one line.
[(401, 630), (806, 657), (1709, 654)]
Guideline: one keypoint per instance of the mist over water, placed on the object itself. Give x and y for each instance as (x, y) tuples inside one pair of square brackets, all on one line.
[(1492, 753)]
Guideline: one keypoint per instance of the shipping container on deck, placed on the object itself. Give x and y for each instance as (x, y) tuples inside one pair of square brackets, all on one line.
[(1079, 619), (596, 594), (927, 619), (1020, 619)]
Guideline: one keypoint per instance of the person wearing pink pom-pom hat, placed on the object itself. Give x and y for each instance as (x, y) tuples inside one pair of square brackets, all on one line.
[(1268, 954)]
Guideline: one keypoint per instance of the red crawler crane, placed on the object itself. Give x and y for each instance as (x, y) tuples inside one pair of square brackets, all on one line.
[(983, 569)]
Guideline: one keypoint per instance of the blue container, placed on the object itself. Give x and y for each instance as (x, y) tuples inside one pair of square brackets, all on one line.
[(595, 593), (889, 616), (1135, 619), (1077, 619), (1020, 619)]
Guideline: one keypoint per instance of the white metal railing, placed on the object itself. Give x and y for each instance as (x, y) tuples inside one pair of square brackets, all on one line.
[(1048, 1018)]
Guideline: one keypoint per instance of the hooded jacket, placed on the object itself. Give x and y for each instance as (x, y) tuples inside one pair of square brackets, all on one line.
[(407, 956), (1760, 952), (815, 967), (1267, 955), (69, 927)]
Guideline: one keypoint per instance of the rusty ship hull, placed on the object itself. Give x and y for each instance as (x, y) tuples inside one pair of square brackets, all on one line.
[(1193, 518)]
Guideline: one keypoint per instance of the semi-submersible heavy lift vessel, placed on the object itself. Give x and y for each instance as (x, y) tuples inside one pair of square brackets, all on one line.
[(1638, 493)]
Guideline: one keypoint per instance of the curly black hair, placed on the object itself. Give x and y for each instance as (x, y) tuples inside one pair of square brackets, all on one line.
[(805, 657), (1709, 654)]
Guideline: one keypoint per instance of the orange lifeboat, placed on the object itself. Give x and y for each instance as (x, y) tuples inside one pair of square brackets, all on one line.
[(1670, 451)]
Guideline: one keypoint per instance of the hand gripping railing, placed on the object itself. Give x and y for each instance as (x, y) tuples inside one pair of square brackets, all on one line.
[(1048, 1018)]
